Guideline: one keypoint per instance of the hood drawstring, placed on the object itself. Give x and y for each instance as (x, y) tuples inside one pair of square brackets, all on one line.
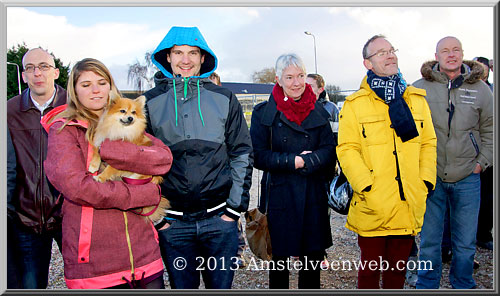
[(186, 80), (199, 105), (175, 102)]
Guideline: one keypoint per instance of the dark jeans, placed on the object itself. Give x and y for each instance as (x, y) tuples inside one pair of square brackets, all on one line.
[(34, 252), (13, 258), (309, 278), (393, 249), (208, 245), (446, 242), (485, 221), (464, 199), (414, 248)]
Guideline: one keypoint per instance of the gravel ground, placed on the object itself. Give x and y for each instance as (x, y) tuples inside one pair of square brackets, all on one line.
[(344, 247)]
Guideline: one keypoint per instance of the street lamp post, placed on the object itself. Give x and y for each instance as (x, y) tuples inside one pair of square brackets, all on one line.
[(18, 77), (314, 39)]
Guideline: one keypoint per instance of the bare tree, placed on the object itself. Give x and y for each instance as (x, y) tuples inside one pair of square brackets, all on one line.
[(141, 76), (266, 75), (334, 93)]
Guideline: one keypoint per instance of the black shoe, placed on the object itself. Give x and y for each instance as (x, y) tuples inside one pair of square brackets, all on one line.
[(446, 255), (485, 245)]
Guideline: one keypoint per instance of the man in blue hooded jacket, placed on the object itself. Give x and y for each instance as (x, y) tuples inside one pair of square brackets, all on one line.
[(208, 184)]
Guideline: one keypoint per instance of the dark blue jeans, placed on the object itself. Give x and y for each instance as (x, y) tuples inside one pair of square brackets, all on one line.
[(33, 253), (464, 200), (13, 261), (208, 246)]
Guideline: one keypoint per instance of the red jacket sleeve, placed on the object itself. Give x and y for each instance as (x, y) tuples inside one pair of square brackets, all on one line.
[(66, 169), (146, 160)]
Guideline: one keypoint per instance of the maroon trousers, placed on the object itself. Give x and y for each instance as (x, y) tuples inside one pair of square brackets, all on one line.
[(383, 254)]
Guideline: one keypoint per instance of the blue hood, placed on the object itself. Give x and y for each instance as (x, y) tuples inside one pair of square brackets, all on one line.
[(184, 36)]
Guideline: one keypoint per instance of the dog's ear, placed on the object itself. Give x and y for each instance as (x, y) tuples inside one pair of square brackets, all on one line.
[(141, 100), (112, 102)]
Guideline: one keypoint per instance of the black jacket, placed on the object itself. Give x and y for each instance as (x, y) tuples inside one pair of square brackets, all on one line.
[(35, 201), (297, 210)]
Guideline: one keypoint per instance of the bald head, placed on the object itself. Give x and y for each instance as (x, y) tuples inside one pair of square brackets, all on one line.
[(450, 56), (38, 53), (39, 77), (447, 38)]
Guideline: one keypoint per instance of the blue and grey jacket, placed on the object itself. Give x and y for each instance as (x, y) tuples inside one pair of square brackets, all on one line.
[(204, 126)]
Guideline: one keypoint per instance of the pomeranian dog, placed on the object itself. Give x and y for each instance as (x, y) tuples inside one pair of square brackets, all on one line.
[(125, 120)]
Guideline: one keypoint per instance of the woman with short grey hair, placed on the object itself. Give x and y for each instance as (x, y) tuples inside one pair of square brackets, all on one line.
[(294, 146)]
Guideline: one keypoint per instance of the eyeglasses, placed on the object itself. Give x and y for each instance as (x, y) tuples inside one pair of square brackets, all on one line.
[(42, 67), (383, 53)]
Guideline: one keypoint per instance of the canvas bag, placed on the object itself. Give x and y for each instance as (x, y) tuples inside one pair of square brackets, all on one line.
[(257, 232)]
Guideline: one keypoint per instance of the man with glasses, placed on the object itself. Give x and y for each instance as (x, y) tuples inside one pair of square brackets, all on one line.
[(387, 151), (35, 207), (462, 113)]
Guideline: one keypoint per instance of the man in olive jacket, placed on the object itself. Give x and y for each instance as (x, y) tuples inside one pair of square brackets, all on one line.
[(35, 208), (462, 113), (387, 151)]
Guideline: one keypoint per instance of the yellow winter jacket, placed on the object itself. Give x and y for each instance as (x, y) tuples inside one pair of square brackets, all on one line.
[(369, 152)]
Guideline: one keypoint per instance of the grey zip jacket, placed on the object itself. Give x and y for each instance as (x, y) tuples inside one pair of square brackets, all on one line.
[(462, 113)]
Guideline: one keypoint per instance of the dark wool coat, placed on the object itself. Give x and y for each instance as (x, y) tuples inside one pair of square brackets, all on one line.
[(297, 210)]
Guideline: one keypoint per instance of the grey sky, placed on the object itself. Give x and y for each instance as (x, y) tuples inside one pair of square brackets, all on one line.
[(248, 39)]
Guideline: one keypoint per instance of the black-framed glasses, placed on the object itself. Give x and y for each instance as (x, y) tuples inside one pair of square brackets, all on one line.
[(43, 67), (383, 53)]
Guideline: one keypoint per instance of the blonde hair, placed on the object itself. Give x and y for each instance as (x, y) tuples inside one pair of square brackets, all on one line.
[(75, 109)]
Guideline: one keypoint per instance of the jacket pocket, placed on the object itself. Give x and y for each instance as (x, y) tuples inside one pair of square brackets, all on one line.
[(419, 123), (374, 129), (278, 190), (474, 143)]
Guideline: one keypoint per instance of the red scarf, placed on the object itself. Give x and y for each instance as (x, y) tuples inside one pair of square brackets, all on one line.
[(295, 111)]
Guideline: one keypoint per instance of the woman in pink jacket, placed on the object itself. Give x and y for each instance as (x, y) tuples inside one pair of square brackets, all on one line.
[(105, 245)]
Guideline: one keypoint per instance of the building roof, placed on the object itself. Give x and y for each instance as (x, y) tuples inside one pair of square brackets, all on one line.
[(248, 88)]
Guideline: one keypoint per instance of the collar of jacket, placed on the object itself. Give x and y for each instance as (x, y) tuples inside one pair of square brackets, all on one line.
[(180, 81), (45, 121), (365, 90), (27, 104), (314, 119), (471, 72)]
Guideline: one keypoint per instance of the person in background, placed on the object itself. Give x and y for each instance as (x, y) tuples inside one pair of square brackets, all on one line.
[(34, 208), (387, 151), (485, 223), (318, 85), (462, 113), (208, 185), (486, 74), (105, 243), (294, 146), (215, 78)]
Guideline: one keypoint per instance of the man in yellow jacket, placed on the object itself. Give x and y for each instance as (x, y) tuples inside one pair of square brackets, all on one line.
[(387, 150)]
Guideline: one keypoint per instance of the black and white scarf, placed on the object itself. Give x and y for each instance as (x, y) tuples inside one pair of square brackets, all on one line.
[(391, 90)]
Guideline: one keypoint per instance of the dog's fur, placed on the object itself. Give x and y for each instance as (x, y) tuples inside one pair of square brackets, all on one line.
[(124, 120)]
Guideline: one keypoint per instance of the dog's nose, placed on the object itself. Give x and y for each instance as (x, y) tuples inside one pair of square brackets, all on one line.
[(130, 119)]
